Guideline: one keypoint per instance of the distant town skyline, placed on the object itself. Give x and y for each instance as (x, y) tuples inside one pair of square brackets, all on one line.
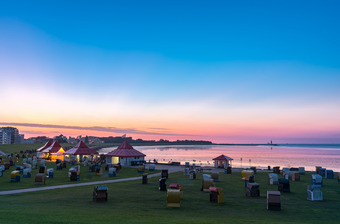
[(226, 72)]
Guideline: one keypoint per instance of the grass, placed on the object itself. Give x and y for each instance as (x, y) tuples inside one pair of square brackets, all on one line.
[(60, 176), (133, 202)]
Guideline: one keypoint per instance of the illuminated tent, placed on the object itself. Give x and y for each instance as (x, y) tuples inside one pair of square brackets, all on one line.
[(222, 161), (81, 150), (54, 151), (126, 155), (39, 151)]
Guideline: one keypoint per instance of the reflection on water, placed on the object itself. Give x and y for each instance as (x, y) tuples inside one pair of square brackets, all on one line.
[(260, 156)]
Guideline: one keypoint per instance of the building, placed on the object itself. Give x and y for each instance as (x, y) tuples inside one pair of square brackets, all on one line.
[(9, 135), (125, 155)]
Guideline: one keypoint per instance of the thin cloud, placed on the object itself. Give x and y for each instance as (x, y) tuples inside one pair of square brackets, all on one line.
[(93, 128)]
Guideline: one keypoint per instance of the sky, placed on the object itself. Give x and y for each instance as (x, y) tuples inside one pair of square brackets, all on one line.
[(224, 71)]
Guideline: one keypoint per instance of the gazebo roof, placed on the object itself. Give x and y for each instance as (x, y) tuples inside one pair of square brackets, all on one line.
[(125, 150), (47, 144), (54, 148), (81, 149), (223, 158)]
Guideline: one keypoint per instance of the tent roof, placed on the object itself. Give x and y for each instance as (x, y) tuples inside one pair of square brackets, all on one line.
[(125, 150), (223, 157), (55, 147), (81, 149), (47, 144)]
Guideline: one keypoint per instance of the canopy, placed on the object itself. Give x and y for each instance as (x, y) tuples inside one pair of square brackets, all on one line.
[(125, 150), (81, 149), (55, 147), (47, 144), (223, 158)]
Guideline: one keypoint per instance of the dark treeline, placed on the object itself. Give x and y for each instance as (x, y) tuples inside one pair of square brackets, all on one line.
[(161, 141)]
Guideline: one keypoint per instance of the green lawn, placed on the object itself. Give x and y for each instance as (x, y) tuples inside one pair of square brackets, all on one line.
[(133, 202)]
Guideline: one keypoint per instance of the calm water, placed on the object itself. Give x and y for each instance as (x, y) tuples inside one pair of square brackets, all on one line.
[(309, 156)]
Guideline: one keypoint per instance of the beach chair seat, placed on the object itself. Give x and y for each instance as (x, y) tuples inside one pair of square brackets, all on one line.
[(316, 179), (15, 176), (152, 167), (317, 168), (173, 198), (227, 170), (206, 184), (39, 178), (75, 176), (338, 176), (162, 185), (322, 172), (100, 193), (276, 169), (215, 177), (284, 185), (192, 175), (329, 174), (314, 193), (112, 172), (145, 178), (295, 176), (50, 173), (140, 169), (26, 173), (273, 178), (274, 200), (253, 190), (165, 174), (302, 170)]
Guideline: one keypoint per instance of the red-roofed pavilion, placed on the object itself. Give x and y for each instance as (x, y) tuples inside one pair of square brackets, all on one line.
[(80, 151), (125, 154), (222, 161), (54, 151)]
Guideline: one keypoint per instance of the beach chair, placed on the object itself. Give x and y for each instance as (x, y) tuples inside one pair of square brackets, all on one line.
[(329, 174), (246, 174), (206, 184), (273, 178), (314, 193), (173, 198), (7, 165), (287, 174), (276, 169), (140, 169), (145, 178), (74, 176), (274, 200), (162, 185), (322, 172), (253, 190), (99, 170), (35, 164), (295, 176), (24, 160), (227, 170), (338, 176), (29, 160), (186, 171), (215, 177), (42, 169), (1, 172), (251, 179), (152, 167), (50, 173), (316, 179), (165, 174), (42, 162), (15, 176), (317, 168), (27, 173), (302, 170), (59, 166), (100, 193), (253, 168), (112, 172), (39, 178), (283, 185), (192, 175), (20, 169)]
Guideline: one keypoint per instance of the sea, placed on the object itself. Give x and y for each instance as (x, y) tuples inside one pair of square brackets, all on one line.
[(245, 156)]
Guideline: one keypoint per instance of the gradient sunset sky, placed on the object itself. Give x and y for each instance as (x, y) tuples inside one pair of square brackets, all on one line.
[(225, 71)]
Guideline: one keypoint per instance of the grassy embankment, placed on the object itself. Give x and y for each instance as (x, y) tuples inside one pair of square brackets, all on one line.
[(133, 202)]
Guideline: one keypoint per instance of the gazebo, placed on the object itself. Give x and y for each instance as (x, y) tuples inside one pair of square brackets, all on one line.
[(54, 151), (81, 151), (126, 155), (222, 161)]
